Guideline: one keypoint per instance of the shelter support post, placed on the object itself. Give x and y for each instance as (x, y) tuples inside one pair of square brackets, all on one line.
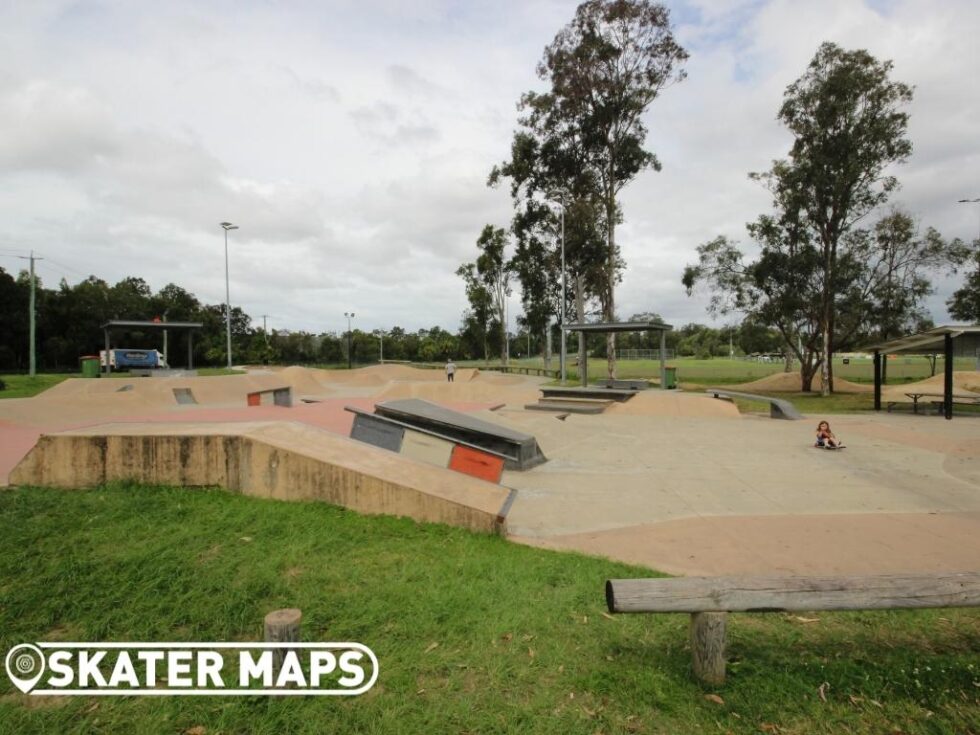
[(108, 357), (948, 377), (877, 380), (663, 360), (190, 350)]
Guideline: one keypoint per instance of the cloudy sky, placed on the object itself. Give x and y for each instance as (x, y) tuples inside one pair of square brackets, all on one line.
[(351, 141)]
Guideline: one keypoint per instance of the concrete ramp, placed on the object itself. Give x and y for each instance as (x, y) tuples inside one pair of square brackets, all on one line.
[(280, 460)]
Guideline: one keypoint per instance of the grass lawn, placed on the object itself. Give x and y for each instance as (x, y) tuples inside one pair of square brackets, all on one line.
[(723, 371), (24, 386), (473, 634)]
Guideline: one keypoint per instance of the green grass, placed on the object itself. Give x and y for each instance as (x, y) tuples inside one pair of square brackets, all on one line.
[(24, 386), (523, 645), (723, 371)]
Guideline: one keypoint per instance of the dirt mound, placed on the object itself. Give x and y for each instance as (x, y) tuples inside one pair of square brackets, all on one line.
[(963, 380), (790, 383)]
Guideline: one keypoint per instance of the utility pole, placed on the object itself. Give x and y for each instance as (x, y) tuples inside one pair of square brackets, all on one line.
[(265, 329), (32, 364)]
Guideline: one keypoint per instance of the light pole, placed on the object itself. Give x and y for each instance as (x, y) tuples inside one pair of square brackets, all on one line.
[(381, 337), (227, 226), (350, 336), (969, 201), (560, 201)]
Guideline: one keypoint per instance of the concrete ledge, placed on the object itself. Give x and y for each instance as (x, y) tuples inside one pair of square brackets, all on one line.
[(279, 460)]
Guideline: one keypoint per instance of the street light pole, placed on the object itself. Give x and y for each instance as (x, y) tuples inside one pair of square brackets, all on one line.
[(350, 336), (227, 226), (970, 201)]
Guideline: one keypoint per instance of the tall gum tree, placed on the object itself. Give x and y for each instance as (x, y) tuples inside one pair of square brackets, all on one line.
[(846, 116), (605, 68)]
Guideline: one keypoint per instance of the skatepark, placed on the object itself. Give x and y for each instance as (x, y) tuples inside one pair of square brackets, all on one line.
[(677, 481)]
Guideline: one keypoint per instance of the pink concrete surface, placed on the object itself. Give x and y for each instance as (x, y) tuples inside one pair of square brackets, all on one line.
[(328, 414)]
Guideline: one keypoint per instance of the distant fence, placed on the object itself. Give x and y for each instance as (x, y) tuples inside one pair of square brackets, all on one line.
[(524, 370), (643, 354)]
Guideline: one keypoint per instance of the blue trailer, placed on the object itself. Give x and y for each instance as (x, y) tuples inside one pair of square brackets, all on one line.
[(143, 359)]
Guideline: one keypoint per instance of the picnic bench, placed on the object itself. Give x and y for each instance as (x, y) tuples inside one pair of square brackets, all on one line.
[(958, 398), (779, 408), (710, 599)]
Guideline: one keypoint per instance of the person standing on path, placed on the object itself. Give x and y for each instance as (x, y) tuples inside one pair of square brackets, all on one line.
[(450, 370)]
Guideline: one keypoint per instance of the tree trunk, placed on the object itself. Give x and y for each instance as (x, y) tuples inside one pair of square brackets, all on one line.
[(610, 310), (583, 361), (546, 346), (788, 360), (808, 369), (503, 336)]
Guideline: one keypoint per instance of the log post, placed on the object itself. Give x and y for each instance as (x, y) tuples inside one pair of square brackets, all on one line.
[(282, 626), (708, 646)]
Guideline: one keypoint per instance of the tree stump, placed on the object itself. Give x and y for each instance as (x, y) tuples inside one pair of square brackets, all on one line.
[(708, 631), (282, 626)]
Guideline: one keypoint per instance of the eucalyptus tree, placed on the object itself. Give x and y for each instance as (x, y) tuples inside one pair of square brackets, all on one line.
[(488, 280), (585, 136), (964, 304), (845, 114)]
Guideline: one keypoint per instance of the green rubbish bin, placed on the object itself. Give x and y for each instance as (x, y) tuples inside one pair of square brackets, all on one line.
[(90, 367), (670, 378)]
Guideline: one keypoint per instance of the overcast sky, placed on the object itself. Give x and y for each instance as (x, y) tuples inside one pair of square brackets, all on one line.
[(351, 141)]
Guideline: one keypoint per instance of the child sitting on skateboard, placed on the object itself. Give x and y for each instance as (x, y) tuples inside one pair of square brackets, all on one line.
[(826, 438)]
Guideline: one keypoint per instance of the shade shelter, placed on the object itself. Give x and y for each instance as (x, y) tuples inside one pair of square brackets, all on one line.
[(119, 325), (607, 327), (952, 341)]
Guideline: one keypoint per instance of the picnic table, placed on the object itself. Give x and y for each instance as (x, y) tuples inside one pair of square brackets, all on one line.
[(963, 399)]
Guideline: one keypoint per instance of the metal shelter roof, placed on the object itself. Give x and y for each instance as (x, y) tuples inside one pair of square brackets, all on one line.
[(128, 324), (618, 327), (927, 342)]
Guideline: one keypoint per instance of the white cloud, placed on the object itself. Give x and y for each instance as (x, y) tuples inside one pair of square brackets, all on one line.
[(351, 140)]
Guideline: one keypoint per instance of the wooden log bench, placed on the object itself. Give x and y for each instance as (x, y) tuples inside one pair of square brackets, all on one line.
[(710, 599), (779, 408)]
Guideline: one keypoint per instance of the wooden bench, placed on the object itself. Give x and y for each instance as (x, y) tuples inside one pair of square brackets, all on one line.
[(779, 408), (710, 599)]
